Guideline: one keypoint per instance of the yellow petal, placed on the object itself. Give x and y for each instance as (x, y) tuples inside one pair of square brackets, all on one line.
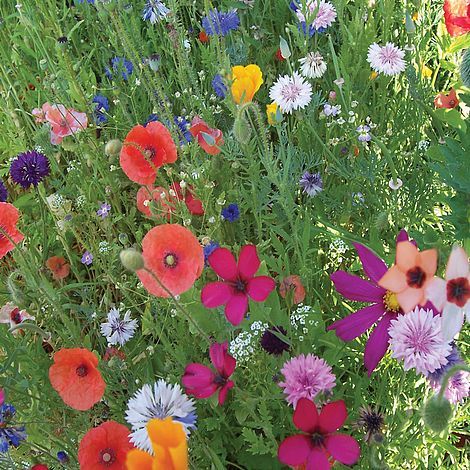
[(243, 90), (166, 432)]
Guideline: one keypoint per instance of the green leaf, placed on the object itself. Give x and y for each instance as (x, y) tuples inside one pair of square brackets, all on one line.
[(451, 117)]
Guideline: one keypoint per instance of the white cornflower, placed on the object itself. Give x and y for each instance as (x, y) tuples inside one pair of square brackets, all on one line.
[(158, 402), (118, 331), (395, 184), (386, 59), (291, 93), (313, 65)]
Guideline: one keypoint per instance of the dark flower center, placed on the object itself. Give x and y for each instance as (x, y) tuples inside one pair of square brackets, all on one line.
[(317, 439), (458, 291), (415, 277), (15, 316), (170, 260), (239, 285), (149, 153), (82, 370), (108, 457), (220, 381)]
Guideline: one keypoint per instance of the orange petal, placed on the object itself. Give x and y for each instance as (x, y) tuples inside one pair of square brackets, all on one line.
[(166, 432), (410, 298), (406, 255), (393, 280), (138, 460), (428, 261)]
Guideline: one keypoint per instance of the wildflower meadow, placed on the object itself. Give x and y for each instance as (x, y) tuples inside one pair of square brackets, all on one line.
[(234, 234)]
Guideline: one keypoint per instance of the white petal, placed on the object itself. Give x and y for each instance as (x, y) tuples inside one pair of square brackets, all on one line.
[(452, 321)]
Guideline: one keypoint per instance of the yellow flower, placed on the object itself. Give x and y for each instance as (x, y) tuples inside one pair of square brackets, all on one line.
[(271, 111), (246, 82), (426, 72), (415, 16), (169, 446), (373, 75)]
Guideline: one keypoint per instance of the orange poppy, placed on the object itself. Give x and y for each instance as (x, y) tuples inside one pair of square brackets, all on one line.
[(209, 139), (457, 16), (203, 37), (169, 446), (75, 377), (9, 234), (105, 446), (411, 275), (174, 256), (293, 284), (146, 149), (163, 201), (59, 268), (448, 101)]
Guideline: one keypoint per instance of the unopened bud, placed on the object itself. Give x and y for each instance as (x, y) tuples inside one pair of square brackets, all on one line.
[(242, 130), (437, 413), (113, 147), (131, 259)]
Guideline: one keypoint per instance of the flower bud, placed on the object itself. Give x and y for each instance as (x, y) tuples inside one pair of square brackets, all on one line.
[(113, 147), (132, 259), (437, 413), (242, 130)]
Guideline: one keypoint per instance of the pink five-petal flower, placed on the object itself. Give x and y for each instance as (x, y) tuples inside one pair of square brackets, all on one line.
[(452, 295), (321, 441), (238, 282), (201, 382), (63, 121)]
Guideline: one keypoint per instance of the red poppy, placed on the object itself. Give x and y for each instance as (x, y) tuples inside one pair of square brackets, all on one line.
[(279, 55), (9, 235), (203, 37), (75, 377), (146, 149), (39, 466), (448, 101), (59, 267), (457, 16), (209, 139), (174, 256), (193, 204), (105, 447), (163, 202), (292, 284)]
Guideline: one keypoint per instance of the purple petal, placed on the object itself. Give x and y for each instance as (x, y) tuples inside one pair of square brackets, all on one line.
[(354, 288), (373, 266), (377, 344), (403, 237), (357, 323)]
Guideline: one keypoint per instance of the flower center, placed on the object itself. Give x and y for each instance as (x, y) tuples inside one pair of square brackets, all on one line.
[(149, 153), (317, 439), (391, 302), (15, 316), (82, 370), (220, 381), (290, 92), (458, 291), (239, 285), (415, 277), (108, 457), (170, 260)]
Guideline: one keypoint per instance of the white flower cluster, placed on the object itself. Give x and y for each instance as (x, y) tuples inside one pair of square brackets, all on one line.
[(300, 320), (244, 345), (337, 249)]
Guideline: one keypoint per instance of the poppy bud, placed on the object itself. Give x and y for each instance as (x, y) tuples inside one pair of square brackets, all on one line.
[(437, 413), (242, 130), (113, 147), (132, 259)]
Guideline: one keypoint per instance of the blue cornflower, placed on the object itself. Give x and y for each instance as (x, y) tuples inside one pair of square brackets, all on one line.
[(87, 258), (104, 210), (208, 250), (102, 106), (62, 457), (87, 1), (311, 183), (219, 86), (152, 118), (9, 435), (182, 127), (119, 65), (452, 359), (231, 212), (29, 168), (220, 23), (154, 11), (3, 192)]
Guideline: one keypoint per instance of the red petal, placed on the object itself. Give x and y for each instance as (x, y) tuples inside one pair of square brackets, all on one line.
[(260, 287), (217, 353), (215, 294), (318, 460), (294, 450), (248, 261), (343, 448), (223, 392), (236, 308), (223, 263), (305, 416), (332, 416)]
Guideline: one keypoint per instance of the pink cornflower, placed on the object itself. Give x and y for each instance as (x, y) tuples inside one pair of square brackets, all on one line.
[(305, 377), (237, 284), (417, 339), (458, 387), (63, 121), (321, 445), (324, 17), (386, 59), (201, 381)]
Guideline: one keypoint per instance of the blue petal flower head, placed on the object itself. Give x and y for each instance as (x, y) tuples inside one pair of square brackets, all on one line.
[(119, 65), (3, 192), (181, 124), (9, 435), (87, 1), (311, 183), (231, 213), (29, 168), (154, 11), (219, 86), (189, 420), (219, 23), (102, 106)]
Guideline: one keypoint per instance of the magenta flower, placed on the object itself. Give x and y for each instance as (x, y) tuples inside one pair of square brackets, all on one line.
[(237, 284), (321, 442), (383, 310), (201, 381)]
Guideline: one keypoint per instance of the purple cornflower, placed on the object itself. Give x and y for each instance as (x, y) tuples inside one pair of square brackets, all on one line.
[(311, 183), (208, 250), (104, 210), (231, 213), (9, 435), (101, 108), (29, 168), (119, 65), (3, 192), (364, 135), (219, 23), (154, 11), (219, 86), (329, 110), (87, 258)]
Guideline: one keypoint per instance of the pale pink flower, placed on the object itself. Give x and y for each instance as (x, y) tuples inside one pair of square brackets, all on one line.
[(291, 93), (416, 338), (305, 377), (324, 17), (458, 387), (452, 295), (13, 316), (386, 59)]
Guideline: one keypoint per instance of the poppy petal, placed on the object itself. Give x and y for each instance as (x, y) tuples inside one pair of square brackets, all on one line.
[(332, 416), (223, 263), (343, 448), (305, 415), (248, 261), (294, 450), (215, 294), (217, 353), (236, 308), (260, 287), (373, 266), (354, 288)]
